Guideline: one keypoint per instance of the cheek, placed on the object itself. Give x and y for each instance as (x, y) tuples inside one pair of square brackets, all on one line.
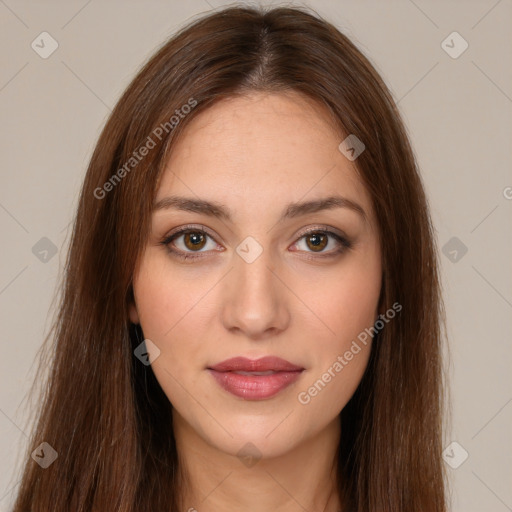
[(172, 313), (341, 302), (165, 299), (346, 302), (326, 392), (348, 308), (341, 353)]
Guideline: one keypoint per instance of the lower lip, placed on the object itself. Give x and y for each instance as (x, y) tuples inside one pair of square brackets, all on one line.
[(255, 387)]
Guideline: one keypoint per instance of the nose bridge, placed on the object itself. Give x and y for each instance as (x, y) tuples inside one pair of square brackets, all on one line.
[(255, 300), (255, 277)]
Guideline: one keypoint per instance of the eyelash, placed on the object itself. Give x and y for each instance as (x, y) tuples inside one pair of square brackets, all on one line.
[(344, 243)]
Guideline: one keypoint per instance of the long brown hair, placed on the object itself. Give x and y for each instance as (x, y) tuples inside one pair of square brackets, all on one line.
[(104, 412)]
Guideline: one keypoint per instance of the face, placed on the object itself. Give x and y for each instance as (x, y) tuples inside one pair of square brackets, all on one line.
[(267, 270)]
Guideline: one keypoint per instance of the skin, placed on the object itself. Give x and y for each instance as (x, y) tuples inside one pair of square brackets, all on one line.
[(254, 154)]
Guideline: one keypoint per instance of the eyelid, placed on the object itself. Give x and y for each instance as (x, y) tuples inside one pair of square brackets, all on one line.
[(339, 235), (325, 228), (182, 230), (341, 238), (190, 227)]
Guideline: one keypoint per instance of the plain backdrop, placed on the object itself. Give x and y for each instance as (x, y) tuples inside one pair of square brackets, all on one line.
[(456, 103)]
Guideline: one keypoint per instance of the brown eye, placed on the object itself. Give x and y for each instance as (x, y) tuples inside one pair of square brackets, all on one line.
[(189, 241), (194, 240), (323, 242), (316, 241)]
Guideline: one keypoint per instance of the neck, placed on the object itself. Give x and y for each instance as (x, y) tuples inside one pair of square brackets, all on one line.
[(304, 478)]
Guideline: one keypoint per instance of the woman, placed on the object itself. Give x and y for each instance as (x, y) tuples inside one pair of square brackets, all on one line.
[(293, 363)]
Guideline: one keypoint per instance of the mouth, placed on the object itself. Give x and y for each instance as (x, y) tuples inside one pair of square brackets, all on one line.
[(255, 379), (264, 364)]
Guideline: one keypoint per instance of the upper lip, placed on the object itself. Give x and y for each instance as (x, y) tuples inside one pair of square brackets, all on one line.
[(255, 365)]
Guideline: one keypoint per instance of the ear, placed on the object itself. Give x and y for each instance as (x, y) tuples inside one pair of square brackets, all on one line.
[(132, 308), (134, 315)]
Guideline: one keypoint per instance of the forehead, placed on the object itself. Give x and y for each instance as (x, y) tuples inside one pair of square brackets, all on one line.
[(261, 150)]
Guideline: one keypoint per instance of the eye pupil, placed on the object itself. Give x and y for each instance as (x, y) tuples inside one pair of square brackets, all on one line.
[(196, 240), (319, 241)]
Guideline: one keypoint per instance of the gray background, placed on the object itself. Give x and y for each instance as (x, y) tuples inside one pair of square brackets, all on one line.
[(457, 111)]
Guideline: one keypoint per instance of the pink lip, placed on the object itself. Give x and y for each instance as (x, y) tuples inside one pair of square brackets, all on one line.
[(255, 365), (255, 387)]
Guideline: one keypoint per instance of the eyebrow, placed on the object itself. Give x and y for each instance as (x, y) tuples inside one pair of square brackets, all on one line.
[(292, 210)]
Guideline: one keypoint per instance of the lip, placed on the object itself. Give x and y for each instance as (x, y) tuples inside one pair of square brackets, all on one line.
[(255, 387), (268, 363)]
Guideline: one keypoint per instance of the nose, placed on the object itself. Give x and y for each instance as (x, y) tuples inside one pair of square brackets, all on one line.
[(255, 299)]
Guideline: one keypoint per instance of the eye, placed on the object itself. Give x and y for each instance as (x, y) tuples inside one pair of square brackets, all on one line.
[(189, 240), (193, 240), (317, 240)]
